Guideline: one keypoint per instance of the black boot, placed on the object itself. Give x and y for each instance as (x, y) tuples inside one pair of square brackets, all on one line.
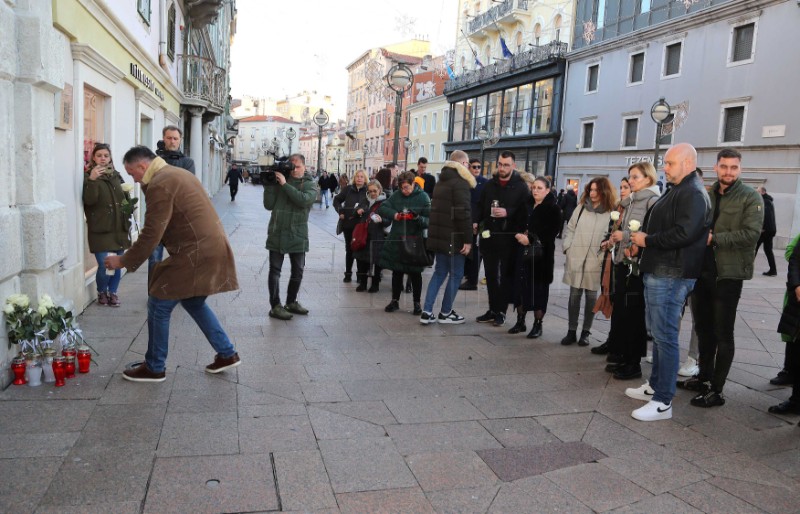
[(628, 371), (362, 283), (519, 326), (536, 331), (584, 340), (571, 337), (603, 349), (417, 309), (348, 277), (374, 287)]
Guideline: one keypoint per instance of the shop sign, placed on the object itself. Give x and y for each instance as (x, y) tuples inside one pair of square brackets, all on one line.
[(633, 159), (146, 81)]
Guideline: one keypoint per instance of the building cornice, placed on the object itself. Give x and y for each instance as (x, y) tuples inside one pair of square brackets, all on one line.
[(670, 27), (92, 58), (146, 98)]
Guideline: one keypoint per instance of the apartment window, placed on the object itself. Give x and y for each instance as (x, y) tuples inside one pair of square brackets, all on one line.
[(672, 59), (587, 135), (636, 75), (445, 119), (733, 123), (742, 43), (143, 6), (557, 27), (592, 76), (434, 122), (630, 131), (442, 152), (432, 153), (171, 32), (425, 124), (414, 127)]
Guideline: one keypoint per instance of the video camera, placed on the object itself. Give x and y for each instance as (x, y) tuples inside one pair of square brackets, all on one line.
[(167, 155), (281, 165)]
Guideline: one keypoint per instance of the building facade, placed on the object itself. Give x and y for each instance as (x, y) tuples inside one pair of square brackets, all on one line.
[(79, 72), (258, 135), (708, 62)]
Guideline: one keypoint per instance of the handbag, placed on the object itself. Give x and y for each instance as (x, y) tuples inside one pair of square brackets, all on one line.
[(360, 233), (412, 251), (534, 250)]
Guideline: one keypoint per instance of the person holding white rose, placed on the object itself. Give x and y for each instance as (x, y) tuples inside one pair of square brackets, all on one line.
[(582, 238), (108, 226), (628, 333)]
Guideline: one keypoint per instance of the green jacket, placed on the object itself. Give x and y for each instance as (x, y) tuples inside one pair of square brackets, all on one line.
[(418, 203), (102, 204), (737, 230), (290, 205)]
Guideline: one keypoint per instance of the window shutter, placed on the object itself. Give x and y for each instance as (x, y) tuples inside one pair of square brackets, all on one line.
[(743, 42), (734, 122)]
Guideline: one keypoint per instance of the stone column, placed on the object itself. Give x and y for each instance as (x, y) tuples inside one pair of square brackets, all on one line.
[(196, 143)]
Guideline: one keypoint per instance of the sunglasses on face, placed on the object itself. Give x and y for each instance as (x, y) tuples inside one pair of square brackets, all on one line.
[(476, 166)]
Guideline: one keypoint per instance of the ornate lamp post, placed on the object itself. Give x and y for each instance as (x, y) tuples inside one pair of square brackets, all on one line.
[(483, 135), (290, 135), (338, 160), (364, 157), (400, 78), (660, 113), (320, 119)]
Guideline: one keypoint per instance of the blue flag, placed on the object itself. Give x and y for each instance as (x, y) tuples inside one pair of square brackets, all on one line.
[(478, 62), (450, 71), (506, 52)]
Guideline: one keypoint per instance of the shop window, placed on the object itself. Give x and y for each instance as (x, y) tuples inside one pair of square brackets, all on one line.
[(93, 132)]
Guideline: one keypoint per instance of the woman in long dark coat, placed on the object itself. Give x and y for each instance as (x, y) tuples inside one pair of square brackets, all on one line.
[(351, 203), (535, 277), (367, 259)]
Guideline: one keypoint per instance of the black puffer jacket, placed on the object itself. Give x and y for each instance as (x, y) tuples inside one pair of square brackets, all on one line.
[(514, 198), (450, 226), (770, 228), (544, 220), (677, 231), (348, 201)]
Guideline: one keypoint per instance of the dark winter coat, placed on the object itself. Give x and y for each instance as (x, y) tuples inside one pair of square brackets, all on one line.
[(475, 196), (450, 225), (430, 184), (418, 203), (348, 201), (514, 198), (375, 233), (544, 220), (737, 229), (677, 231), (570, 203), (177, 159), (108, 229), (789, 324), (233, 177), (769, 228), (290, 205)]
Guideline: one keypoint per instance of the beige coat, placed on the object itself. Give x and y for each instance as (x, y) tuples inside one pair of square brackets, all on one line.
[(179, 214), (582, 246)]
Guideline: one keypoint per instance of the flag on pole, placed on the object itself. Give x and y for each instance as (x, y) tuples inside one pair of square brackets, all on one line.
[(450, 71), (506, 52), (478, 62)]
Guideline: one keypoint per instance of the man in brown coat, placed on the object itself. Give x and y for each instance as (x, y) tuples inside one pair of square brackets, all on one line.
[(200, 261)]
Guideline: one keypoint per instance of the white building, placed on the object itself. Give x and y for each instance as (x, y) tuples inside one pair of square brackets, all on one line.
[(261, 134)]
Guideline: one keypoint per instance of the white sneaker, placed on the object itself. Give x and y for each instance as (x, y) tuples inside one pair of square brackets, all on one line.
[(653, 411), (427, 317), (451, 319), (649, 358), (689, 368), (644, 392)]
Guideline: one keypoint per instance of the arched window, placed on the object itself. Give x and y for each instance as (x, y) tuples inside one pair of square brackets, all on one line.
[(537, 33), (557, 27), (486, 53), (518, 41)]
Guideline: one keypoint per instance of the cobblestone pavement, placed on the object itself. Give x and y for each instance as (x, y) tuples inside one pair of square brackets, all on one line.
[(351, 409)]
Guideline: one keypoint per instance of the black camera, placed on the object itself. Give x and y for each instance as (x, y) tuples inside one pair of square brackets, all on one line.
[(281, 165)]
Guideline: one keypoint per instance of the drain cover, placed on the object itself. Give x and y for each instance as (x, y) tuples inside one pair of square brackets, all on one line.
[(212, 484)]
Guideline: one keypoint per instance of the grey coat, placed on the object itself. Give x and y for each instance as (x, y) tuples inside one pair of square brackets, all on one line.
[(636, 206)]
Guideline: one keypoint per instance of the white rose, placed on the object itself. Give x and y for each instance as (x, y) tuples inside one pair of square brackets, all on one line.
[(485, 234), (42, 310), (46, 302), (127, 187), (20, 300), (8, 309), (614, 215), (634, 225)]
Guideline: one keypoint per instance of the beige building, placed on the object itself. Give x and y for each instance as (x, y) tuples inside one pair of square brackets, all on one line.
[(302, 106), (427, 133), (261, 134), (248, 106)]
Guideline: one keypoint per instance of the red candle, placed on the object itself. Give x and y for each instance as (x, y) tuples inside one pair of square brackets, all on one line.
[(59, 370), (70, 366), (18, 366), (69, 350), (84, 359)]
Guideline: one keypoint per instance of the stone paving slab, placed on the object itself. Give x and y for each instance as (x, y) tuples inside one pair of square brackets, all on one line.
[(430, 437), (450, 470), (514, 463), (706, 497), (365, 464), (597, 487), (463, 501), (303, 481), (536, 494), (394, 501)]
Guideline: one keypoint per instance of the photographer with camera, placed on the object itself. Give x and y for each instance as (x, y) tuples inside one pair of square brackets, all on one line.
[(289, 192), (169, 150)]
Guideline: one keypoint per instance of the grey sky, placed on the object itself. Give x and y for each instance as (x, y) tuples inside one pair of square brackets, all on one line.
[(283, 48)]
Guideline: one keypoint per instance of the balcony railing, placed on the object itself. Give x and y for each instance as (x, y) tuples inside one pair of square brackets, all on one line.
[(497, 13), (204, 83), (203, 12), (536, 55)]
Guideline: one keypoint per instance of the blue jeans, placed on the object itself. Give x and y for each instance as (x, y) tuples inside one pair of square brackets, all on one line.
[(664, 300), (158, 315), (106, 283), (156, 257), (452, 265)]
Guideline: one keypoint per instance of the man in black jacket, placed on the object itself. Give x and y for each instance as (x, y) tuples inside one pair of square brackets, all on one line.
[(473, 265), (430, 180), (768, 232), (501, 215), (233, 178), (673, 242)]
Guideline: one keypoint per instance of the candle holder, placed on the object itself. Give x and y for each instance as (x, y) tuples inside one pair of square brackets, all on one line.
[(84, 359), (18, 367), (70, 366), (59, 370), (33, 370), (47, 365)]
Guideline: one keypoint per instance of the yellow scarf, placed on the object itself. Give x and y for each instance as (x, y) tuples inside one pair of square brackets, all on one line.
[(155, 167)]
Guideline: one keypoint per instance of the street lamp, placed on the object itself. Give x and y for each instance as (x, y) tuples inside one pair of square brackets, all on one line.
[(338, 160), (660, 113), (364, 157), (320, 119), (399, 79), (290, 135), (483, 135)]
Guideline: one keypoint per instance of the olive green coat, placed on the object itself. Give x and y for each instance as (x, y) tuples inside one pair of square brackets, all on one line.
[(108, 230), (418, 203), (290, 205)]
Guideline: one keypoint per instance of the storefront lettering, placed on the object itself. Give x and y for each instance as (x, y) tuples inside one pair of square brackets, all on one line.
[(146, 81), (633, 159)]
